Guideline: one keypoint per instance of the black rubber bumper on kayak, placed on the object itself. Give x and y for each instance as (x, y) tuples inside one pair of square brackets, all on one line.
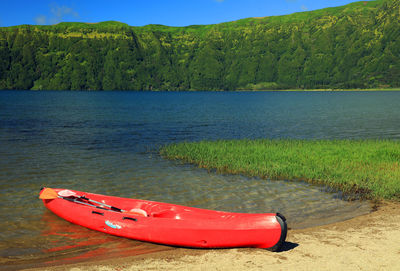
[(282, 221)]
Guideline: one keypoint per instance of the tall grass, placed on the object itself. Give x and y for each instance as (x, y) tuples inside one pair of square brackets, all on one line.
[(369, 167)]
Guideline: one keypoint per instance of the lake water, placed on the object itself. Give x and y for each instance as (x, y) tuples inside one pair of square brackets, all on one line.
[(107, 142)]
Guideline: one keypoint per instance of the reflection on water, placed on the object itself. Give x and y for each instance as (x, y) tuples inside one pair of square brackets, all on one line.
[(60, 242), (106, 142)]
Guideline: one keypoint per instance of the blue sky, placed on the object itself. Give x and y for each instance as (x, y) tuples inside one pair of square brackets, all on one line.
[(142, 12)]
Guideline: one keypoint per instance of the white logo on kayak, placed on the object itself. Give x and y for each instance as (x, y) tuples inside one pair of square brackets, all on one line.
[(112, 225)]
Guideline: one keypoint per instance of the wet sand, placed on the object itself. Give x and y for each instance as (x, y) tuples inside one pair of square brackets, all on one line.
[(368, 242)]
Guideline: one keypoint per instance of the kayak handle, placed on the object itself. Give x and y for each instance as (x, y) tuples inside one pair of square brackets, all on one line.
[(129, 218), (97, 213)]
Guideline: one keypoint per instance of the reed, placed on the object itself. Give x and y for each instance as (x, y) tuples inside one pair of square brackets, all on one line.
[(368, 167)]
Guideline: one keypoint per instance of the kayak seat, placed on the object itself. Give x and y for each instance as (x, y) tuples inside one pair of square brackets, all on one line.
[(138, 211)]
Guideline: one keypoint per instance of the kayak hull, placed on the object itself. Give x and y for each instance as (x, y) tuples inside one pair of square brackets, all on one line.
[(172, 224)]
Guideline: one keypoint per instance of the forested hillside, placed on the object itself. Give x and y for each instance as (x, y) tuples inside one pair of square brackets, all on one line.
[(354, 46)]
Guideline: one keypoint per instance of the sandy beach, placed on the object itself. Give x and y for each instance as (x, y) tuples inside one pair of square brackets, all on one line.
[(368, 242)]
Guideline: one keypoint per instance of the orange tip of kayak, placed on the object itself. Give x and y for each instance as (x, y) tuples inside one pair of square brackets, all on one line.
[(48, 193)]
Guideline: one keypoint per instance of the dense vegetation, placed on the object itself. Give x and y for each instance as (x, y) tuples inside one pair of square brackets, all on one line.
[(354, 46), (369, 167)]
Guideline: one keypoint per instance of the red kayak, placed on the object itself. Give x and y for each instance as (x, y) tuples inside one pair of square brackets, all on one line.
[(166, 223)]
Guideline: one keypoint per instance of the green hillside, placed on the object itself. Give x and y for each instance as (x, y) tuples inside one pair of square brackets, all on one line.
[(353, 46)]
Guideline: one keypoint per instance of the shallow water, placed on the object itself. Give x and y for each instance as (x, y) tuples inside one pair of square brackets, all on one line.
[(106, 142)]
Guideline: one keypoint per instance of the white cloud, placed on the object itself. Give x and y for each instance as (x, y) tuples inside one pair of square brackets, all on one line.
[(60, 12), (41, 19), (304, 8), (57, 14)]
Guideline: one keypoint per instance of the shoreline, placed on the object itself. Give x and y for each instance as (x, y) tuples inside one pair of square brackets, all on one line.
[(368, 168), (366, 242), (321, 90), (221, 90)]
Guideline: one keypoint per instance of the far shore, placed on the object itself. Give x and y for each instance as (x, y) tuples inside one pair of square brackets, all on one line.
[(368, 242), (238, 90), (323, 89)]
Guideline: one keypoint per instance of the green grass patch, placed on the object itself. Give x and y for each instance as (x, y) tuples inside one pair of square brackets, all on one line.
[(368, 167)]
